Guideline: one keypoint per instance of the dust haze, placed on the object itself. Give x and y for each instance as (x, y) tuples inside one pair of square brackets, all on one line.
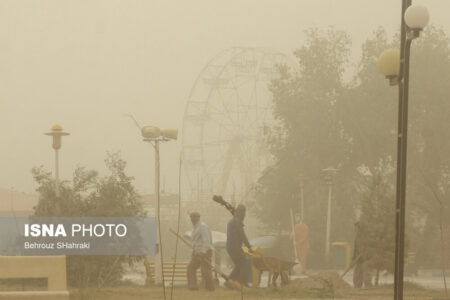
[(84, 64)]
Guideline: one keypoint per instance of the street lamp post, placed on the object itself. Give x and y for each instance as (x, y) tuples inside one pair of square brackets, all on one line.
[(394, 64), (328, 175), (57, 133), (154, 135)]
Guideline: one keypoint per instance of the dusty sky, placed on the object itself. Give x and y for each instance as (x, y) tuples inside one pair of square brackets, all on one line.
[(86, 63)]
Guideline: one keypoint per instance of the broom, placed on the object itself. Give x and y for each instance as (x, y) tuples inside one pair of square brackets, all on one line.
[(352, 264), (229, 282)]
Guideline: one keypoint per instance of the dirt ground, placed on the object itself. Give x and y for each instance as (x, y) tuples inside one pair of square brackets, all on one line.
[(291, 292), (321, 281), (305, 289)]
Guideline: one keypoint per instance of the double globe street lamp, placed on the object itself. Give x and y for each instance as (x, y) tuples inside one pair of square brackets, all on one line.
[(394, 64)]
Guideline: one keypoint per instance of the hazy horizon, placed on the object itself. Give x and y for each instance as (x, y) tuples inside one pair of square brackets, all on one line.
[(84, 64)]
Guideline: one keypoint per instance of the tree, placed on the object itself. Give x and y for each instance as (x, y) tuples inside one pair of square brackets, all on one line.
[(371, 119), (376, 223), (324, 121), (430, 166), (86, 195), (308, 136)]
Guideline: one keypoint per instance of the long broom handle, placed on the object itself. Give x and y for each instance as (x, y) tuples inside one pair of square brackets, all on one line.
[(181, 238), (190, 246), (352, 264)]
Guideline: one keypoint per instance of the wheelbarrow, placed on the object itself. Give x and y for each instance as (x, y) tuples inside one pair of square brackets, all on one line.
[(273, 258)]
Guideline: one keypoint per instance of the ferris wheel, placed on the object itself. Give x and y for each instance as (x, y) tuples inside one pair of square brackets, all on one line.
[(222, 140)]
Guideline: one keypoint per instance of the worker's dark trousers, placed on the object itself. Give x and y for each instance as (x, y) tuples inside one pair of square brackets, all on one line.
[(202, 260), (240, 272)]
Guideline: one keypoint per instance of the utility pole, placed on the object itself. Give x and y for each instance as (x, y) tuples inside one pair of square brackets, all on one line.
[(328, 175)]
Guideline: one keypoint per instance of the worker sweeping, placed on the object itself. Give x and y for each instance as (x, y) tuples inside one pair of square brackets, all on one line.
[(201, 254), (230, 283)]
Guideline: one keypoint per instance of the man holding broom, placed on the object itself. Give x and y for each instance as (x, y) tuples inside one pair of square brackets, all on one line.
[(202, 254)]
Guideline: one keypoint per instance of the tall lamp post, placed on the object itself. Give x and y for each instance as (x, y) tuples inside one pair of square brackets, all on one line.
[(154, 135), (57, 133), (394, 64), (328, 176)]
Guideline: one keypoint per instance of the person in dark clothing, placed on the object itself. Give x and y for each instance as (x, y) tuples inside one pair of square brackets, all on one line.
[(235, 239)]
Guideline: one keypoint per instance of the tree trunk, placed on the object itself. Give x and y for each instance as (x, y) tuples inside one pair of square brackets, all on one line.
[(377, 277)]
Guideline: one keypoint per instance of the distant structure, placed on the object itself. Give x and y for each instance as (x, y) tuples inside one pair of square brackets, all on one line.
[(14, 203), (169, 205), (223, 149)]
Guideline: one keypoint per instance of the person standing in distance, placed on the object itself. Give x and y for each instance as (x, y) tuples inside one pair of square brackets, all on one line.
[(301, 232)]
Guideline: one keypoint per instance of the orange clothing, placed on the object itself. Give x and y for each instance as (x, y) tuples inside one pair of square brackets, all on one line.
[(301, 231), (302, 253)]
